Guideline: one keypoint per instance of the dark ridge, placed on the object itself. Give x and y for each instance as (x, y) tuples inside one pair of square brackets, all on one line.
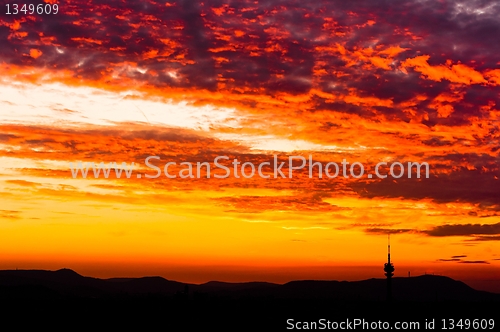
[(66, 283), (219, 285), (155, 301)]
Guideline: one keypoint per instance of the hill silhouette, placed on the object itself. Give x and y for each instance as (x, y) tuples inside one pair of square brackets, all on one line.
[(66, 283), (155, 301)]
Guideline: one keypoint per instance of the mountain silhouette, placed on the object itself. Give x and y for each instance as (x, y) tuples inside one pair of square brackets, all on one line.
[(155, 301), (66, 283)]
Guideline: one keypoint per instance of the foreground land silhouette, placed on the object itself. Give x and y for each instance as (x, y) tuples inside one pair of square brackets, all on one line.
[(425, 296), (67, 284)]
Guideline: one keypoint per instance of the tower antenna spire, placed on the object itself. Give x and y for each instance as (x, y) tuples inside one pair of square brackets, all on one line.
[(389, 268), (389, 248)]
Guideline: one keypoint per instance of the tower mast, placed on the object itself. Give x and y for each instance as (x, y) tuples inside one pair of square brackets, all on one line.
[(389, 248), (389, 269)]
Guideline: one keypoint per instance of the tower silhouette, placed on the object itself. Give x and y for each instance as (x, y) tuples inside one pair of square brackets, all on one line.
[(389, 269)]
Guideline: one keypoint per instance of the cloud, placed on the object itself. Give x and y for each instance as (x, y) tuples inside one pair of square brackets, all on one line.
[(486, 238), (263, 52), (125, 142), (10, 214), (464, 230), (382, 231), (459, 259), (475, 183), (456, 73), (34, 53), (474, 262), (303, 202), (23, 183), (366, 81)]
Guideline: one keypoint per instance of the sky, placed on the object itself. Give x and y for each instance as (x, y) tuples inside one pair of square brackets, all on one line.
[(365, 81)]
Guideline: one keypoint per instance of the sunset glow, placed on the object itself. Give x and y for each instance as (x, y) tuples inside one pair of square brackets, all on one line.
[(186, 81)]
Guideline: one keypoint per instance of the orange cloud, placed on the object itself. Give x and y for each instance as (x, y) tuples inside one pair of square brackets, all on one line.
[(493, 76), (34, 53), (458, 73)]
